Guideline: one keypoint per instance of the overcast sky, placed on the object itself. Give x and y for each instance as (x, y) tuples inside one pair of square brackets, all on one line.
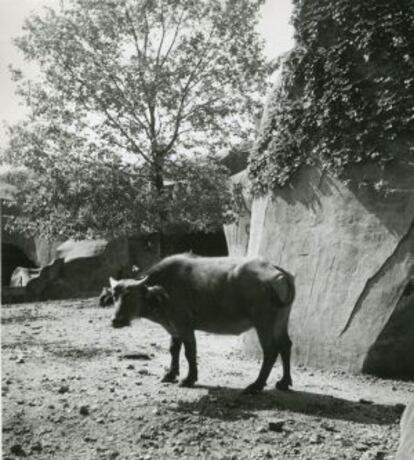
[(274, 27)]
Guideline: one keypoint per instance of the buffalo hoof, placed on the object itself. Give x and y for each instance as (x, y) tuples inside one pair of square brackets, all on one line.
[(169, 378), (187, 383), (252, 389), (284, 384)]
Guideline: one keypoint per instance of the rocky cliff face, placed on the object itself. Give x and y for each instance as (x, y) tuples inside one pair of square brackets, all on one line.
[(351, 248), (237, 234)]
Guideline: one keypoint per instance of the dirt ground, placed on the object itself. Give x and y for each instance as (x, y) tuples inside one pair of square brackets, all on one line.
[(74, 388)]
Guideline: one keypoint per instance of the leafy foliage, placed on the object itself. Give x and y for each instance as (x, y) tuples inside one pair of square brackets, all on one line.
[(100, 195), (156, 82), (346, 92)]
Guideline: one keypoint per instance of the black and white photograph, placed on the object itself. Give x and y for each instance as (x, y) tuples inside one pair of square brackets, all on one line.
[(207, 229)]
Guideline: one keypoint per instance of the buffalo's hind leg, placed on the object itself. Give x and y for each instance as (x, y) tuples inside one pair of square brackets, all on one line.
[(270, 352), (286, 381), (191, 355), (175, 347)]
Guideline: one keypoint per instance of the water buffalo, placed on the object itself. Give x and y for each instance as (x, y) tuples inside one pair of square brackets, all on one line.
[(222, 295), (105, 297)]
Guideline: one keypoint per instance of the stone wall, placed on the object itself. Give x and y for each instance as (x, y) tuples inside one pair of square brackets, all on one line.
[(351, 249), (237, 233)]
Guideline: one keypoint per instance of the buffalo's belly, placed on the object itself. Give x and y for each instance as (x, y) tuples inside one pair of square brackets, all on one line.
[(226, 327), (220, 312)]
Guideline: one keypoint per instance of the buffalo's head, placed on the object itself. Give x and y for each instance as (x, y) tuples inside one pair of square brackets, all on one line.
[(135, 299)]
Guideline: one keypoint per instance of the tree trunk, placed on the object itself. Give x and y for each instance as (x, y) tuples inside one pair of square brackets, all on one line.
[(158, 183)]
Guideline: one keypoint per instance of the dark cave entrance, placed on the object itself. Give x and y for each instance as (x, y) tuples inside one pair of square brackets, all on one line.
[(11, 257), (200, 243), (392, 356)]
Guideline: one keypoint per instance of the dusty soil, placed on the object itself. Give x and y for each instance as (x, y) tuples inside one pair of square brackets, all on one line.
[(74, 388)]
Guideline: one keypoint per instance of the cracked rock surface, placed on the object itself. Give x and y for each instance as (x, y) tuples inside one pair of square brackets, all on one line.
[(351, 249)]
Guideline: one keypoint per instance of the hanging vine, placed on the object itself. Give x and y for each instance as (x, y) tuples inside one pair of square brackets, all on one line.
[(346, 91)]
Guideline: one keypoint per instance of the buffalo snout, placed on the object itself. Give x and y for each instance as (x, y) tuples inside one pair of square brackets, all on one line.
[(118, 323)]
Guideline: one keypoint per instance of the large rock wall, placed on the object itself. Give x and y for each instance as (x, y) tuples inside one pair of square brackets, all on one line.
[(237, 233), (351, 249)]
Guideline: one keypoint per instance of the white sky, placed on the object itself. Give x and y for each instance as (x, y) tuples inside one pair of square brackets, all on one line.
[(274, 27)]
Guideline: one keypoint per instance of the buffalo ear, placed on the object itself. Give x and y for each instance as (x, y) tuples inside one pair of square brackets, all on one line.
[(156, 296), (112, 282)]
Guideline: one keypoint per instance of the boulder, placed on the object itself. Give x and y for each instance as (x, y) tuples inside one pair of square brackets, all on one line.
[(81, 268), (406, 447), (83, 249), (350, 244), (22, 275), (41, 286), (60, 289), (88, 264), (84, 267)]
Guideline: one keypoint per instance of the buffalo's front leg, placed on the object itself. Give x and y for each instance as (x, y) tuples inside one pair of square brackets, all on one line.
[(286, 380), (175, 347), (191, 355)]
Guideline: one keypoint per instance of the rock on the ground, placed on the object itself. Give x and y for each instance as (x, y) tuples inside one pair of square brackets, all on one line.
[(276, 425), (84, 410), (17, 449)]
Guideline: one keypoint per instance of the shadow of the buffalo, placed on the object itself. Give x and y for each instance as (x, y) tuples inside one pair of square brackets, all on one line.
[(230, 405)]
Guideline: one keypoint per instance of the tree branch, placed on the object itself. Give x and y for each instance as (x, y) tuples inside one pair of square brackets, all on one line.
[(140, 55), (134, 33), (143, 57), (165, 57), (157, 59), (185, 93), (112, 120), (131, 110), (121, 92), (117, 125)]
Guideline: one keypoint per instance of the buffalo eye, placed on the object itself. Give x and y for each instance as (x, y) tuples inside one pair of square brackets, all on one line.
[(117, 293)]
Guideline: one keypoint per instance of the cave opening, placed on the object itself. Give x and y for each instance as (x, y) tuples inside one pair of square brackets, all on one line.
[(391, 356), (212, 244), (11, 257)]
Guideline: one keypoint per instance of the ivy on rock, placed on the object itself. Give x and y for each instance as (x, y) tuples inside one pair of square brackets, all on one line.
[(346, 91)]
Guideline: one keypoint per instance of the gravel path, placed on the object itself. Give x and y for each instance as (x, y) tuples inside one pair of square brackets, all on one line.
[(74, 388)]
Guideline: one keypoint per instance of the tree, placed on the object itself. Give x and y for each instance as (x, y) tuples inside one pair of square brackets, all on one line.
[(101, 195), (162, 81)]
